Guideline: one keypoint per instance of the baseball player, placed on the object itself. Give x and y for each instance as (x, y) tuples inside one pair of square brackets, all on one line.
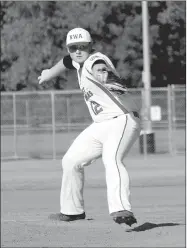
[(115, 128)]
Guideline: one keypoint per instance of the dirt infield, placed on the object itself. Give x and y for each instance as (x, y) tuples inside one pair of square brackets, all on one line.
[(30, 192)]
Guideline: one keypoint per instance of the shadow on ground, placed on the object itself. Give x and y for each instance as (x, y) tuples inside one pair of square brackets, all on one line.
[(147, 226)]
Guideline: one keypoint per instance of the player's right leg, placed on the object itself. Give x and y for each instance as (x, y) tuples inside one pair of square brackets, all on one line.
[(124, 131), (83, 151)]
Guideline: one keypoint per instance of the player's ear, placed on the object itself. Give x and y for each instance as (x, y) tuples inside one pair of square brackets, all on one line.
[(90, 46)]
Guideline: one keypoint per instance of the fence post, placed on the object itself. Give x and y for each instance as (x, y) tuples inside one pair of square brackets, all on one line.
[(173, 104), (144, 125), (27, 112), (15, 125), (53, 124), (170, 126)]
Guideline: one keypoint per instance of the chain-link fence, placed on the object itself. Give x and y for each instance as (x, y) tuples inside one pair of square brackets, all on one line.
[(44, 124)]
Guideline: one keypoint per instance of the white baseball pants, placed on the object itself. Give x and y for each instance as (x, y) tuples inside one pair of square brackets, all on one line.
[(111, 139)]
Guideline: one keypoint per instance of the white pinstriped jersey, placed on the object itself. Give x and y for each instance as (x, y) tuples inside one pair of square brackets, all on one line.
[(104, 101)]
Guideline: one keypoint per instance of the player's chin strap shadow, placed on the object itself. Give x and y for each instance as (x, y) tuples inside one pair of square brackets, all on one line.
[(147, 226)]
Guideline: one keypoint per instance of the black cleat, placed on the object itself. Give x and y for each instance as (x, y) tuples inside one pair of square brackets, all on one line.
[(65, 217), (124, 216)]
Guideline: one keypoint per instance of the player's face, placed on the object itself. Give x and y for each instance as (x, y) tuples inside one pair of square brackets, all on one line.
[(79, 52)]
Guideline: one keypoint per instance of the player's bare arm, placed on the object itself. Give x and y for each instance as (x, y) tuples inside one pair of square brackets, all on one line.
[(49, 74)]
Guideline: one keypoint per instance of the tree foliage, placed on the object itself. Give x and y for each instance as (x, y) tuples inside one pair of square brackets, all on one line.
[(33, 38)]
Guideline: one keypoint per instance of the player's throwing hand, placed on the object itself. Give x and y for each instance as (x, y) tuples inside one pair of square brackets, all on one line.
[(100, 72), (45, 76)]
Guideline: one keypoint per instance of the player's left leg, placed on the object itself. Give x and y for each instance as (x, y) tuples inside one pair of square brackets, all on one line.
[(122, 134), (82, 152)]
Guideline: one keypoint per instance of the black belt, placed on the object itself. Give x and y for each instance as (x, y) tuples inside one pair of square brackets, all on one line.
[(134, 113)]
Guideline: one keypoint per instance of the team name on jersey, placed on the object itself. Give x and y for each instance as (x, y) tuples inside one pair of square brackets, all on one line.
[(87, 94), (75, 36), (94, 57)]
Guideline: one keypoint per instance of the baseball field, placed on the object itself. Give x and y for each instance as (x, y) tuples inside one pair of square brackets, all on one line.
[(30, 191)]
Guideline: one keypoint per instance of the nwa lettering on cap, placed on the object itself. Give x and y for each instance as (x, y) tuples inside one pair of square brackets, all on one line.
[(77, 35)]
